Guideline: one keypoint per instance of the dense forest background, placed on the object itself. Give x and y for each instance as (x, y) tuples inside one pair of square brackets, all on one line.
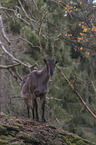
[(64, 29)]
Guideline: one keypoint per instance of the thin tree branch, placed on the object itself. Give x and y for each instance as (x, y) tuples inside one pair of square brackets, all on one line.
[(27, 42), (25, 12), (8, 66), (29, 66), (94, 86), (42, 51), (16, 14), (75, 91), (15, 76), (36, 6), (54, 99), (15, 59), (3, 32), (52, 49), (16, 97), (4, 8)]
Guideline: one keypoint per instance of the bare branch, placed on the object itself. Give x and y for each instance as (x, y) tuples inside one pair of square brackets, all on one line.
[(8, 66), (16, 97), (75, 91), (15, 76), (4, 8), (94, 86), (15, 59), (25, 11), (19, 16), (54, 99), (52, 49), (27, 42), (3, 32), (36, 6), (41, 33), (16, 14)]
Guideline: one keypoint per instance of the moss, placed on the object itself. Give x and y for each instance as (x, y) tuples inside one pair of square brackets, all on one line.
[(21, 132), (3, 142), (57, 142), (4, 116), (9, 138), (17, 143), (67, 141), (81, 142), (26, 137), (13, 133), (6, 138), (3, 137), (61, 132), (13, 128), (51, 126), (2, 129), (18, 125)]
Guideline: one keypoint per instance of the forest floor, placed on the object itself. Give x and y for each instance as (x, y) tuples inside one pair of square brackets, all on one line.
[(19, 131)]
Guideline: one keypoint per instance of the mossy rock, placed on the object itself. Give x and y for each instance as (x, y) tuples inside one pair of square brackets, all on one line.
[(12, 128), (18, 125), (26, 132), (2, 142), (2, 115), (13, 133), (2, 129), (58, 141), (51, 126), (17, 143), (7, 138), (27, 137)]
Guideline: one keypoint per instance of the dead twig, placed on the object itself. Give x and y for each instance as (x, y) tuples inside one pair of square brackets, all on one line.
[(54, 99), (8, 66), (94, 86), (3, 32)]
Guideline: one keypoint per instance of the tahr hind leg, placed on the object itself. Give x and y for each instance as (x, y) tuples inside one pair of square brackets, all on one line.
[(35, 108), (43, 99), (27, 104)]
